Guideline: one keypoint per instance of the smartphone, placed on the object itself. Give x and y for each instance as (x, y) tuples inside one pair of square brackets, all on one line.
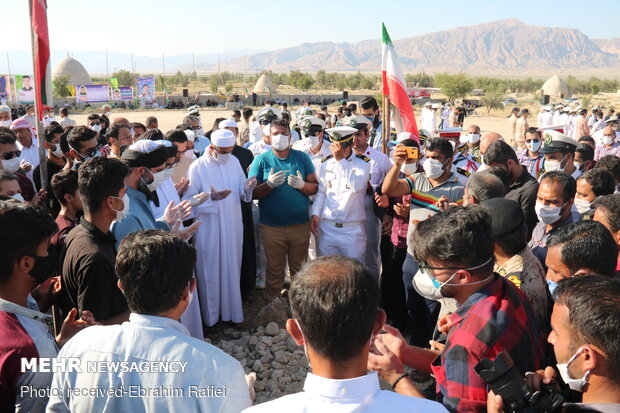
[(412, 152)]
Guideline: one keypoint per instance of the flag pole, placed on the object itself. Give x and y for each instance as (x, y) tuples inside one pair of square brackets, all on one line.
[(37, 92), (386, 130)]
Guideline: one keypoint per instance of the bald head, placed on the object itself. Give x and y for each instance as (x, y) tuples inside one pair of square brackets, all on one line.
[(487, 139), (122, 121)]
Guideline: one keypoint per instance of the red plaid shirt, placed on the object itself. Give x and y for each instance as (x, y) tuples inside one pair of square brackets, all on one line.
[(496, 318)]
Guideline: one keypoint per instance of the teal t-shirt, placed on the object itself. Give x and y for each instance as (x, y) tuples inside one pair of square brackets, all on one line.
[(284, 205)]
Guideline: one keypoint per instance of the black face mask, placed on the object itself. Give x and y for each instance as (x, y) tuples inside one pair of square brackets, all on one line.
[(45, 267)]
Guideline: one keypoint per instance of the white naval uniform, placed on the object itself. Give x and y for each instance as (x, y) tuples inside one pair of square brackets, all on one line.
[(379, 165), (339, 205), (256, 132), (259, 147), (304, 146)]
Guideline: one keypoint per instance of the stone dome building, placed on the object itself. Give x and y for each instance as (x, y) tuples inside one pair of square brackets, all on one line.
[(555, 88), (74, 70), (265, 85)]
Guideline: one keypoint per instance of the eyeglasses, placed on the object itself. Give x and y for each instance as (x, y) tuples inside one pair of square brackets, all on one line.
[(425, 266), (91, 152), (10, 155), (95, 123)]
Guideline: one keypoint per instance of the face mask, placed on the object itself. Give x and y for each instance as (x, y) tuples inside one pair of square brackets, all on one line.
[(582, 205), (608, 140), (432, 168), (435, 287), (409, 168), (96, 128), (45, 267), (12, 165), (534, 146), (18, 197), (314, 141), (577, 165), (552, 165), (279, 142), (6, 123), (58, 152), (548, 214), (267, 130), (574, 384), (551, 285), (473, 138), (123, 212), (221, 158), (158, 178)]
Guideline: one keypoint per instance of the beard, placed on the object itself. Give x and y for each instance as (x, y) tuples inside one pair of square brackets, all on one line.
[(447, 292)]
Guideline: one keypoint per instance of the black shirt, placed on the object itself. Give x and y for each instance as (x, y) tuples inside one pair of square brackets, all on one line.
[(244, 156), (88, 278), (523, 191)]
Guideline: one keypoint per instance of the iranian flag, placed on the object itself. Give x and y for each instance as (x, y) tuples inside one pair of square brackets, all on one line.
[(41, 45), (395, 89)]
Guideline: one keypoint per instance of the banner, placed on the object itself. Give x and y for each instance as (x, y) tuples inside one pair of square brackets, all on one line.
[(114, 82), (92, 93), (6, 96), (23, 88), (122, 93), (145, 90)]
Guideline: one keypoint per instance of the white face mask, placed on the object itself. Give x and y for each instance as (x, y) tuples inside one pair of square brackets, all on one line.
[(574, 384), (472, 138), (267, 130), (552, 165), (582, 205), (608, 140), (577, 165), (432, 168), (12, 165), (58, 152), (434, 288), (120, 214), (158, 178), (96, 128), (548, 214), (534, 145), (314, 141), (280, 142), (221, 158), (6, 123), (18, 197), (409, 168)]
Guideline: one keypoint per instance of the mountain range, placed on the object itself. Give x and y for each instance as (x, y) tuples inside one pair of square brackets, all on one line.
[(504, 48), (501, 47)]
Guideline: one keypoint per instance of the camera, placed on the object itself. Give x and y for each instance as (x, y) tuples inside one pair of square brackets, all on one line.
[(505, 380)]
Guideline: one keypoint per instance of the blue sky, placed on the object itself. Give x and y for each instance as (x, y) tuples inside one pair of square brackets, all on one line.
[(184, 26)]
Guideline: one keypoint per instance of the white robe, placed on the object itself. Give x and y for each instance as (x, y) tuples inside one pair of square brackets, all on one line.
[(219, 240)]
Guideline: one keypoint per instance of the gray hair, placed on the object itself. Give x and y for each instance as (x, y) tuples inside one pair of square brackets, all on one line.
[(5, 108), (483, 186)]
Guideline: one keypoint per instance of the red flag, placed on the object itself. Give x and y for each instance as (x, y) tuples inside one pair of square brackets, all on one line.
[(43, 87)]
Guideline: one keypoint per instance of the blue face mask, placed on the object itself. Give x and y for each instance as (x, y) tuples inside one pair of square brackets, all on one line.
[(552, 285)]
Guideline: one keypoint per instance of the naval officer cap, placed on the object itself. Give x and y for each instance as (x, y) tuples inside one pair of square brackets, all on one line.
[(310, 121), (341, 133), (269, 114), (554, 141), (357, 122)]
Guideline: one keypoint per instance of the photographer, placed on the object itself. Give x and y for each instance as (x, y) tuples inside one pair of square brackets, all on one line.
[(455, 252), (586, 340)]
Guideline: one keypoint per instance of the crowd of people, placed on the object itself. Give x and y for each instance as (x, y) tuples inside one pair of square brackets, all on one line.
[(410, 264)]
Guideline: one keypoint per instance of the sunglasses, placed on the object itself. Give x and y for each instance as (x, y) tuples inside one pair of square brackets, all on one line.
[(532, 140), (10, 155)]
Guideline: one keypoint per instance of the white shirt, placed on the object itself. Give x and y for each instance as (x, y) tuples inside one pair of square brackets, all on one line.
[(546, 119), (379, 165), (64, 122), (361, 394), (30, 155), (147, 339), (342, 187), (256, 132), (304, 146), (31, 119), (259, 147)]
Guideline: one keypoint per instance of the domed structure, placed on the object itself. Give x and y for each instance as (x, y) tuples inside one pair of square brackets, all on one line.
[(265, 85), (555, 88), (74, 70)]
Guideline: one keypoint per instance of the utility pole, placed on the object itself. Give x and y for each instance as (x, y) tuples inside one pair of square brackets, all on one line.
[(194, 61), (107, 71), (133, 68)]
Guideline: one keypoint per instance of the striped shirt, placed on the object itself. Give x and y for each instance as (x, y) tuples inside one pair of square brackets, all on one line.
[(424, 196)]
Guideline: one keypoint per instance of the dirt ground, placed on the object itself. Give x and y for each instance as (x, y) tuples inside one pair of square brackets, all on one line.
[(169, 118)]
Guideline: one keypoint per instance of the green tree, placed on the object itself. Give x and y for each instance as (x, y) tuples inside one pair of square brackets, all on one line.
[(321, 78), (125, 78), (420, 79), (304, 82), (229, 87), (213, 83), (454, 86), (60, 85), (492, 101)]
